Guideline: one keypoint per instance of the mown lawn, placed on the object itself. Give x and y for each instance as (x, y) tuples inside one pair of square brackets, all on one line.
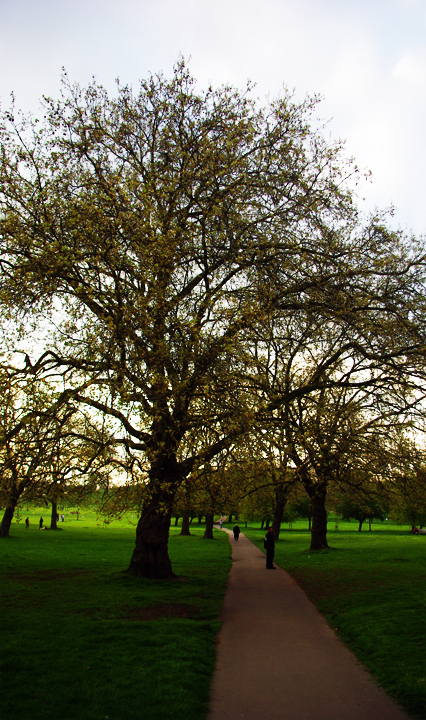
[(371, 587), (82, 640)]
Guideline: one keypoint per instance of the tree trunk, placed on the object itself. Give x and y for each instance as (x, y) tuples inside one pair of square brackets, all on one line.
[(176, 520), (185, 524), (319, 521), (7, 520), (200, 519), (360, 525), (268, 522), (150, 557), (208, 535), (53, 520), (230, 518), (369, 524), (281, 494), (263, 523), (310, 523)]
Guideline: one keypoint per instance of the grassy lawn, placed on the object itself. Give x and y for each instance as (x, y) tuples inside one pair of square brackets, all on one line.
[(82, 640), (371, 587)]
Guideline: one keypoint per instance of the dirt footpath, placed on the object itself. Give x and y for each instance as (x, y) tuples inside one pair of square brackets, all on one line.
[(277, 657)]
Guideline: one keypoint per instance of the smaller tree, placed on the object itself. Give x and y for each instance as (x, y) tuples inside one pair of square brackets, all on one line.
[(302, 508), (29, 417), (360, 509)]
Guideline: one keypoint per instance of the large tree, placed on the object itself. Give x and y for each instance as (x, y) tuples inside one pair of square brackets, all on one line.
[(160, 228)]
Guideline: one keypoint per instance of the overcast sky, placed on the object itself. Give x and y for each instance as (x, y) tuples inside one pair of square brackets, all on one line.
[(366, 58)]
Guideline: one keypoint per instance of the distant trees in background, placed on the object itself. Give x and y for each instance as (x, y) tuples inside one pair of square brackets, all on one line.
[(48, 447)]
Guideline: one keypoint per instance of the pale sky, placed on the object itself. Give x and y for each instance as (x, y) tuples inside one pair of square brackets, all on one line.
[(366, 58)]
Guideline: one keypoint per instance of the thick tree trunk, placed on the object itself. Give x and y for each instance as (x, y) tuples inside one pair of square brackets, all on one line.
[(230, 518), (319, 521), (7, 520), (53, 520), (185, 524), (150, 557), (200, 519), (176, 520), (208, 535), (360, 525)]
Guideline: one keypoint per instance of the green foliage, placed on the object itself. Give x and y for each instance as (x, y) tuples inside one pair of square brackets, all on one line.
[(360, 508), (302, 508), (202, 270)]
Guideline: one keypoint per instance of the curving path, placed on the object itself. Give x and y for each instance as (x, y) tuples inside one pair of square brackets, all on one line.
[(277, 657)]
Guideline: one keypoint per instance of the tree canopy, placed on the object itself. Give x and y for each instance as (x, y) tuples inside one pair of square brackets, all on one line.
[(160, 232)]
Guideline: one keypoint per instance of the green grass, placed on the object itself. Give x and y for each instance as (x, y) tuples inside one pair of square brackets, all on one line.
[(371, 588), (82, 640)]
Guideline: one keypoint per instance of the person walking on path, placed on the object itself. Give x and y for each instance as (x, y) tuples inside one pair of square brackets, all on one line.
[(290, 664), (269, 544), (236, 532), (220, 524)]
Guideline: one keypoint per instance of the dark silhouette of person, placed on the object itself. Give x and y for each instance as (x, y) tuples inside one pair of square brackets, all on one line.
[(27, 522), (236, 532), (270, 549), (40, 524)]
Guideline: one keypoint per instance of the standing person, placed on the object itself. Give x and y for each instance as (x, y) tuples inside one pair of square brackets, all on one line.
[(220, 523), (236, 532), (269, 545), (40, 524), (27, 522)]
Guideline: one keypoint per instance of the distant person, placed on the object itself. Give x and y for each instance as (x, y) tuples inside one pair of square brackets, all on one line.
[(27, 522), (269, 544), (62, 518), (236, 532), (40, 524), (220, 523)]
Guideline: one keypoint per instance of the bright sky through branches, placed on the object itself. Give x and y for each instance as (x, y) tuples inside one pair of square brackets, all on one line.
[(367, 58)]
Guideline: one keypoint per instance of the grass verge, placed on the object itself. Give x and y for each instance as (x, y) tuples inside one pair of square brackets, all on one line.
[(371, 588), (81, 640)]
